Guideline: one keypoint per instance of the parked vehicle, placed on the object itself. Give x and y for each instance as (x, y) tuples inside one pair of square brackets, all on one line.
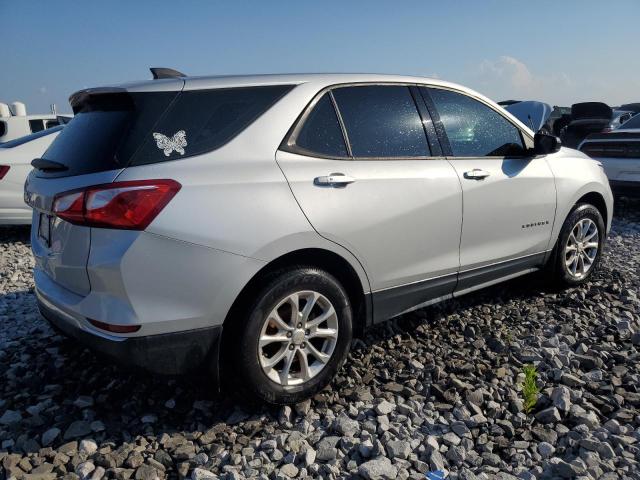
[(257, 222), (619, 117), (533, 114), (619, 153), (18, 124), (586, 118), (15, 165)]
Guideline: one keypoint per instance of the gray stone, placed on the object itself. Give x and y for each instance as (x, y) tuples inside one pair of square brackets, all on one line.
[(378, 469), (548, 415), (384, 408), (50, 436), (398, 449)]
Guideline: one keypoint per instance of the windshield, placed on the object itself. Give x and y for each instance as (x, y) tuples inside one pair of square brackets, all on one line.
[(28, 138), (633, 122)]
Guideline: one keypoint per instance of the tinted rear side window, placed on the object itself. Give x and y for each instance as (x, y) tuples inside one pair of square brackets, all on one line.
[(116, 130), (209, 119), (321, 133), (3, 128), (474, 129), (382, 121)]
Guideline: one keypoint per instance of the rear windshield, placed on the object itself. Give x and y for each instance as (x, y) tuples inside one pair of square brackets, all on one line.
[(116, 130)]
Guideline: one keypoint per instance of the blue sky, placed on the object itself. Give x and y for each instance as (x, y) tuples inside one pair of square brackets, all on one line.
[(559, 52)]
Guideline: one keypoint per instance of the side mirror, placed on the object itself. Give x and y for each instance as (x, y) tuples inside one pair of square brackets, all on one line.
[(544, 143)]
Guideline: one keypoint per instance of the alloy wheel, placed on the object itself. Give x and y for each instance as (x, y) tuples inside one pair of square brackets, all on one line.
[(581, 249), (298, 338)]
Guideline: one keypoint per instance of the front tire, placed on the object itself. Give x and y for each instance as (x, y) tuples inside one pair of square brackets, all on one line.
[(294, 338), (579, 247)]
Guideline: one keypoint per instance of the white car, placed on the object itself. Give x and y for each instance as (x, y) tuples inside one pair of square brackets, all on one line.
[(15, 165), (15, 123), (619, 153)]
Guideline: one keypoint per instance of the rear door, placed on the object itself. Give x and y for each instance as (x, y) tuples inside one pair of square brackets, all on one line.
[(509, 196), (361, 167)]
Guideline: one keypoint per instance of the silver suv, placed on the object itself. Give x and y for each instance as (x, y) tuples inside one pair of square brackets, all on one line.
[(253, 224)]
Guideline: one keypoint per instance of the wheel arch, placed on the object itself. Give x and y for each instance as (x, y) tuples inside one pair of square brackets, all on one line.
[(597, 200), (324, 259)]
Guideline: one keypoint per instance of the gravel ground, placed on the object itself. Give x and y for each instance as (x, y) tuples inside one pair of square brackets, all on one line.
[(437, 389)]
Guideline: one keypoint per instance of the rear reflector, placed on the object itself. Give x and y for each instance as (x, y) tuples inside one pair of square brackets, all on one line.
[(114, 328), (3, 170), (128, 205)]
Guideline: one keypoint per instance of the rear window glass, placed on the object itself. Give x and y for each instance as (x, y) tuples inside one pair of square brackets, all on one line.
[(3, 128), (115, 130), (30, 137), (321, 133), (382, 121), (204, 120)]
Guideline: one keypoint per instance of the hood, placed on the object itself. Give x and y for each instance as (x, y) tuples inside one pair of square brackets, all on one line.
[(532, 114)]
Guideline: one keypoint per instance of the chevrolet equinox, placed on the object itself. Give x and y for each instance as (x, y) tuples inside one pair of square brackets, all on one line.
[(253, 224)]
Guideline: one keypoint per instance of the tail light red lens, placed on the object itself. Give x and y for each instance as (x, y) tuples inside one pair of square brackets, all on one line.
[(128, 205), (3, 170)]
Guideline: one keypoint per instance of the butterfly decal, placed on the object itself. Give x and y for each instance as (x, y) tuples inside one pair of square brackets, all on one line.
[(168, 145)]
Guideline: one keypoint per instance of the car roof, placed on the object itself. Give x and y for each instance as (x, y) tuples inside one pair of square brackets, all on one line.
[(320, 79), (317, 81)]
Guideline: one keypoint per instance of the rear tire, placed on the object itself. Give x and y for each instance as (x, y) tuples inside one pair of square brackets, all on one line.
[(579, 247), (293, 339)]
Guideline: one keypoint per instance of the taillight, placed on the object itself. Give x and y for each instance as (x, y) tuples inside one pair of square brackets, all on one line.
[(3, 170), (128, 205)]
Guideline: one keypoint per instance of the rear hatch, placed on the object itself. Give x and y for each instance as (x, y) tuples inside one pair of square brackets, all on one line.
[(106, 132), (114, 129)]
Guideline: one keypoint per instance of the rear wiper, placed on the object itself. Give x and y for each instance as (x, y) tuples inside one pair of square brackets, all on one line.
[(48, 165)]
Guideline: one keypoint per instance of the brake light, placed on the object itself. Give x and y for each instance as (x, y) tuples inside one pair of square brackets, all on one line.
[(130, 205), (3, 170)]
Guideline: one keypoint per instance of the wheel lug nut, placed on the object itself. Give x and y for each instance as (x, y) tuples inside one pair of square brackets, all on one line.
[(291, 347), (303, 345), (289, 334), (307, 332), (299, 325)]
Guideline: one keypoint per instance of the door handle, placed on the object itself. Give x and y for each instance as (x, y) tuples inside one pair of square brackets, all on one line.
[(476, 174), (336, 180)]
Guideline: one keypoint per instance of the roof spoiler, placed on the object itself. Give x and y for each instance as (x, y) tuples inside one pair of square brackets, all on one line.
[(159, 72)]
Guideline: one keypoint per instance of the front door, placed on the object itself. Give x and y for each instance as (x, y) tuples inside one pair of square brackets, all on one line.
[(379, 194), (509, 196)]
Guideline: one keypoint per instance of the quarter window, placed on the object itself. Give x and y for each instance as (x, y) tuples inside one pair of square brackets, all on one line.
[(321, 132), (381, 121), (474, 129)]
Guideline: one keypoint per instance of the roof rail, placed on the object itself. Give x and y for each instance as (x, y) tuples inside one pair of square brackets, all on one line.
[(160, 72)]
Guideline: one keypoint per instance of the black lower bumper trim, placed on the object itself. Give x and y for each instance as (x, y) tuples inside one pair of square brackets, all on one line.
[(168, 354)]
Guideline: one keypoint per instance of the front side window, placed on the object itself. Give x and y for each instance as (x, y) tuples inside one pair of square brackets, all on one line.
[(381, 121), (321, 133), (474, 129)]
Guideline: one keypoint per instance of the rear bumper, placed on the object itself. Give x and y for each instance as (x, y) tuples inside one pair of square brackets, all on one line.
[(625, 188), (168, 354)]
